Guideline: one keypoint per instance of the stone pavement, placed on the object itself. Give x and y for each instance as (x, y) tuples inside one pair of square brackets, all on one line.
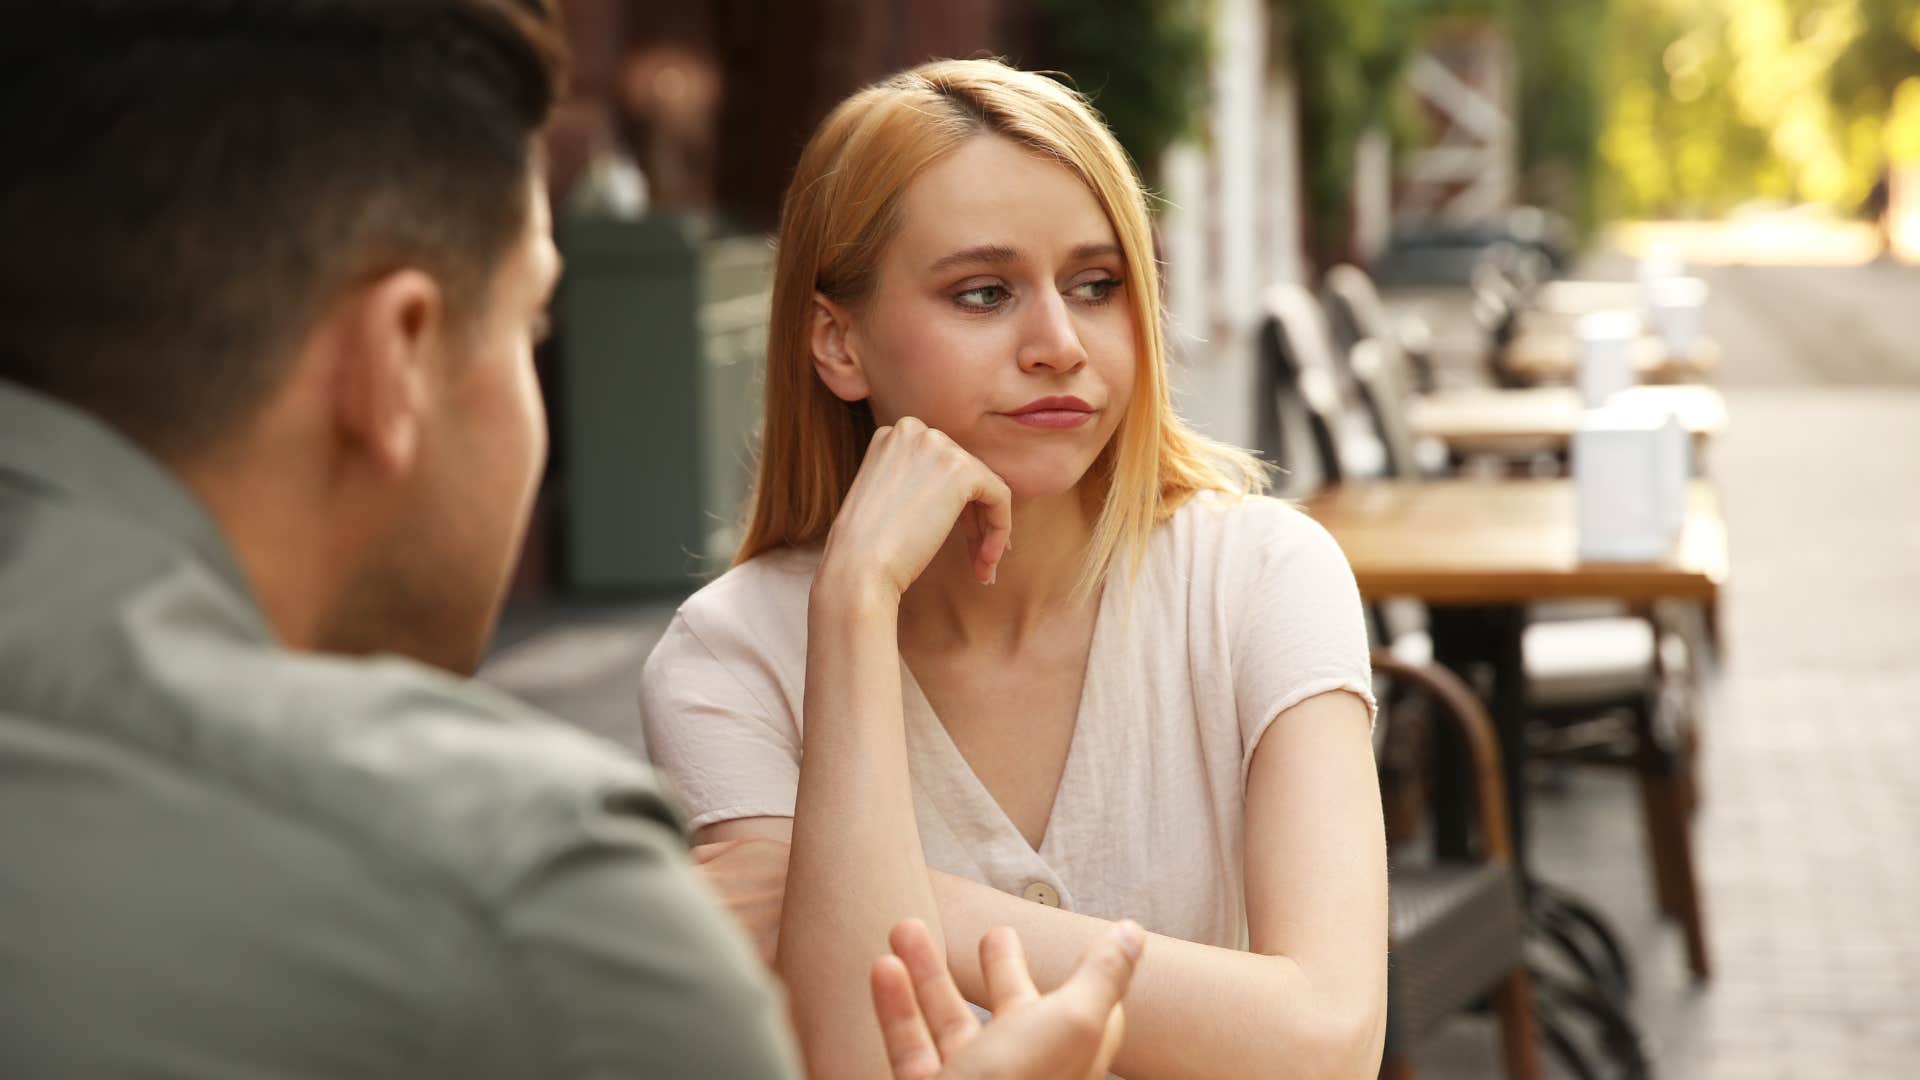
[(1809, 832)]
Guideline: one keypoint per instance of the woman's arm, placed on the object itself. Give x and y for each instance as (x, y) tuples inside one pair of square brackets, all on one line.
[(856, 867), (1309, 1000)]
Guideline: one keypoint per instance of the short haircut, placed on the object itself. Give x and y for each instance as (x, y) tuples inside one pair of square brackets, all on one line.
[(190, 182)]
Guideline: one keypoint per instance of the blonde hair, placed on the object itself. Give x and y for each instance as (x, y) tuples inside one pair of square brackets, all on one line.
[(841, 210)]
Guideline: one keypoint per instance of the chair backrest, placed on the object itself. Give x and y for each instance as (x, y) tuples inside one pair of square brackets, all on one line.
[(1380, 375), (1355, 308), (1300, 382)]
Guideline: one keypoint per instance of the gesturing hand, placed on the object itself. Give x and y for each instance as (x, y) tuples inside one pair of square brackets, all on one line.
[(912, 488), (1072, 1032)]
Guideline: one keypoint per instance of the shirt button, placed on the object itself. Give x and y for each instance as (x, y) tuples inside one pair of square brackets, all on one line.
[(1042, 893)]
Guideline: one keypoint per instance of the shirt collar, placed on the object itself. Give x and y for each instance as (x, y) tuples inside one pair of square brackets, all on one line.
[(58, 446)]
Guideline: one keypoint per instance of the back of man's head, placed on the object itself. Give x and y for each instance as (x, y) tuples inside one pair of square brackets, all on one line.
[(191, 181)]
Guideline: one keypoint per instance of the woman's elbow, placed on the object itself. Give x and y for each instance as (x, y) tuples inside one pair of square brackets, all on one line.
[(1341, 1042)]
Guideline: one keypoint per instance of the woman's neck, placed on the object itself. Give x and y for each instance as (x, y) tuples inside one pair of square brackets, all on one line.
[(949, 608)]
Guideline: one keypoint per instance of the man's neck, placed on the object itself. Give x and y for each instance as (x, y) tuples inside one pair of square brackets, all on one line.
[(291, 561)]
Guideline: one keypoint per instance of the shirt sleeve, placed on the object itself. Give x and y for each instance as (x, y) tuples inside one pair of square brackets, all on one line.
[(1299, 629), (718, 727), (628, 968)]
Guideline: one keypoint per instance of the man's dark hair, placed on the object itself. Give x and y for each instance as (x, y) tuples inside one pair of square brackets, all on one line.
[(189, 182)]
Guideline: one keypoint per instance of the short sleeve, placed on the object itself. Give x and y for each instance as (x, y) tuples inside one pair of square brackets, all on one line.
[(1299, 630), (718, 727), (628, 968)]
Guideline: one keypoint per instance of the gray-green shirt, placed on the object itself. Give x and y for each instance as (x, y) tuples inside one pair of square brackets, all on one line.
[(219, 858)]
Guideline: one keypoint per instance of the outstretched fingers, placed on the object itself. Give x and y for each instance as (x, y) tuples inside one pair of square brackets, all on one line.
[(910, 1049), (1003, 964), (948, 1016)]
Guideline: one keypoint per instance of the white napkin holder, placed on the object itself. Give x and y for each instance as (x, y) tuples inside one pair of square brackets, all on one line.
[(1606, 340), (1630, 472)]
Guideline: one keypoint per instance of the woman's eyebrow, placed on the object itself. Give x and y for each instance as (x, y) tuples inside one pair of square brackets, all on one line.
[(992, 254), (1093, 251), (1000, 255)]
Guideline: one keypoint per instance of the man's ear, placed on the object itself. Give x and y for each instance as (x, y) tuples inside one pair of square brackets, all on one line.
[(834, 356), (388, 333)]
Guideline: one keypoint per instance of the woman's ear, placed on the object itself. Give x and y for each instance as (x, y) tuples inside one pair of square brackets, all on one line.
[(833, 353)]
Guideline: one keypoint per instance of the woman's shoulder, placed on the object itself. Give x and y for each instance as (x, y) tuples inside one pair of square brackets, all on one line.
[(1232, 529), (771, 580), (756, 610)]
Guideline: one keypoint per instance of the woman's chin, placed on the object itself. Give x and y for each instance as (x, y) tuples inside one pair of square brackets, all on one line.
[(1041, 480)]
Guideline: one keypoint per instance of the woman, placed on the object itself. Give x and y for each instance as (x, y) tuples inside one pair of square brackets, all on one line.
[(1050, 658)]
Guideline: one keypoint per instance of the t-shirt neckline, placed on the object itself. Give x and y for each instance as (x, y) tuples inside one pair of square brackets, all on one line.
[(976, 805)]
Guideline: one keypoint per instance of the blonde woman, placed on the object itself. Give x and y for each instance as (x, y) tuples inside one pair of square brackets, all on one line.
[(1006, 643)]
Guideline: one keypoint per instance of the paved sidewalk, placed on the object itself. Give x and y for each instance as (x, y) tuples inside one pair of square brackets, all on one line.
[(1809, 833)]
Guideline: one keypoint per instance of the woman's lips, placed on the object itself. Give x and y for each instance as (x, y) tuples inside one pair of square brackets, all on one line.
[(1052, 418), (1055, 411)]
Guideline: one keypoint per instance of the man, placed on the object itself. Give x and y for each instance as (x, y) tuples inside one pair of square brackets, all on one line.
[(269, 432)]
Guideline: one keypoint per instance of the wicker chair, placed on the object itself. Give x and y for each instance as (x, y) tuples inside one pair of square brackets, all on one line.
[(1455, 928)]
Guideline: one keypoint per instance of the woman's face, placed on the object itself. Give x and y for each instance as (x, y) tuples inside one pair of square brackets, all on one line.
[(1000, 316)]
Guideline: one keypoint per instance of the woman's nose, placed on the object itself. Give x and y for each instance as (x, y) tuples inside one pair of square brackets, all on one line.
[(1050, 339)]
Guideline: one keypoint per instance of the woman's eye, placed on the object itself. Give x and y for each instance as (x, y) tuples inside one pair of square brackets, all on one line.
[(1096, 292), (983, 297)]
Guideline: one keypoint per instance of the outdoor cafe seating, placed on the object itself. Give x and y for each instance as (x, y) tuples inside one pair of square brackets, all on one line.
[(1581, 661)]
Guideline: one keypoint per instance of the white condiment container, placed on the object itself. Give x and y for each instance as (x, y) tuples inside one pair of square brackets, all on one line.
[(1678, 307), (1630, 473), (1606, 340)]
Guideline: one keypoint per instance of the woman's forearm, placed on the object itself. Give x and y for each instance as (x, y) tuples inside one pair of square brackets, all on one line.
[(856, 866), (1193, 1010)]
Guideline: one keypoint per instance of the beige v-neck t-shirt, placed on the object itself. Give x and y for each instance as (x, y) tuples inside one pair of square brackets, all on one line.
[(1243, 608)]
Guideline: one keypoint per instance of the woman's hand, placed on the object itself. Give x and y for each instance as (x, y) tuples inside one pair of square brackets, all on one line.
[(913, 487), (751, 877), (931, 1034)]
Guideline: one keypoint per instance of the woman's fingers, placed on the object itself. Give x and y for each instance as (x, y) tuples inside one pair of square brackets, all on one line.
[(992, 504), (1003, 963), (947, 1014), (915, 487), (910, 1049)]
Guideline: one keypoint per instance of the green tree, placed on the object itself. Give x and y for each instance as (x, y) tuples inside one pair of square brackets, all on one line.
[(1143, 62), (1714, 102)]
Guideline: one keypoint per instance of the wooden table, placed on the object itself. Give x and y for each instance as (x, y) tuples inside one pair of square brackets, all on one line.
[(1505, 541), (1553, 356), (1576, 296), (1477, 552), (1542, 419)]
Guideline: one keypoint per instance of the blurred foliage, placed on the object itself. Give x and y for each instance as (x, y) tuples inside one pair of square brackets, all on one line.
[(1143, 62), (1560, 101), (1716, 102), (1631, 107), (1348, 56)]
